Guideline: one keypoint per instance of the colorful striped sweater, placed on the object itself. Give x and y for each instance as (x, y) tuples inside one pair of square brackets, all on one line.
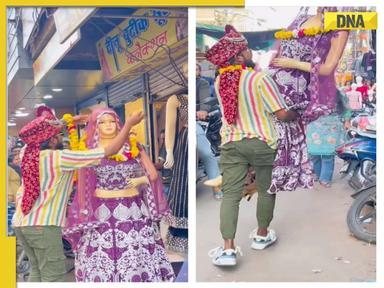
[(259, 97), (56, 183)]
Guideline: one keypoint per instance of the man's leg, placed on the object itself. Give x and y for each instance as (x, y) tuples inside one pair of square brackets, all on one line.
[(48, 248), (234, 168), (205, 153), (262, 157), (34, 273)]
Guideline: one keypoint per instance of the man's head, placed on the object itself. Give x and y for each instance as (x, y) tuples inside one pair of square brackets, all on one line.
[(243, 58), (53, 143), (231, 45)]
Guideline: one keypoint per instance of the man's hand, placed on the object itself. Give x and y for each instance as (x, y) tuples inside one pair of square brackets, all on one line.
[(80, 119), (201, 115), (135, 118)]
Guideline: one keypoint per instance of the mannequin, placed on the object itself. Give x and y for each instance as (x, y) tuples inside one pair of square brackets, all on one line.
[(354, 98), (177, 107), (115, 200), (362, 88)]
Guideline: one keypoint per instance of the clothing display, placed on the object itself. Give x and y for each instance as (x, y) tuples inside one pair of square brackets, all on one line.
[(311, 95), (126, 240), (177, 236)]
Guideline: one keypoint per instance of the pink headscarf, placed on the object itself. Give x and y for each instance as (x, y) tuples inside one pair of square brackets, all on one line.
[(80, 214)]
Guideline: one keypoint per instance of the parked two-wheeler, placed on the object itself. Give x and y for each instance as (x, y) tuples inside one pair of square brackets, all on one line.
[(360, 155)]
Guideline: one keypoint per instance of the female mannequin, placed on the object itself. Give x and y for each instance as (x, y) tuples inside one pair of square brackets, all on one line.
[(177, 107), (355, 100), (304, 73), (112, 223)]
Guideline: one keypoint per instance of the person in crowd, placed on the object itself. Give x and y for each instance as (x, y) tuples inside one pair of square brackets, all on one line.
[(323, 136), (204, 150)]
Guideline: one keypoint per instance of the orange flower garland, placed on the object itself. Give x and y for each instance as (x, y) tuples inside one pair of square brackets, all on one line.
[(286, 34)]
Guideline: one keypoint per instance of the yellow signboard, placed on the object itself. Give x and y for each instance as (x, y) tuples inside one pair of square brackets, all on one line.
[(142, 42), (350, 20)]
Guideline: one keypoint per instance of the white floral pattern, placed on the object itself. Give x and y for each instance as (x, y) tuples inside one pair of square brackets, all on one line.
[(127, 248)]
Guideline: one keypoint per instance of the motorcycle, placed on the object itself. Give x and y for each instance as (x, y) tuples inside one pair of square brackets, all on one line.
[(361, 217), (360, 155)]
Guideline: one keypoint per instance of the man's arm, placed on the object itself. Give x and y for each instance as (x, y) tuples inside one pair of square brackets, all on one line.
[(71, 160), (286, 115)]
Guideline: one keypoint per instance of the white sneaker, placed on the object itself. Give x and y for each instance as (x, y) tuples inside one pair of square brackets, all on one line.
[(260, 242), (221, 257)]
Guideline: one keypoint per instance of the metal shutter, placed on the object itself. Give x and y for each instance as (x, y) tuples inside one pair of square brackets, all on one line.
[(160, 86)]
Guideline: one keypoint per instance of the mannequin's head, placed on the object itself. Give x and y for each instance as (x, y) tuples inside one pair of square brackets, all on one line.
[(107, 126), (353, 86), (100, 127), (359, 80)]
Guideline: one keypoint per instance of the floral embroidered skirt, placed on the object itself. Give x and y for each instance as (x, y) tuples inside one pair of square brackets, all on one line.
[(125, 247)]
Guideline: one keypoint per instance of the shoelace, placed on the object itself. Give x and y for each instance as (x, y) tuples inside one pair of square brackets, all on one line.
[(215, 251), (253, 234)]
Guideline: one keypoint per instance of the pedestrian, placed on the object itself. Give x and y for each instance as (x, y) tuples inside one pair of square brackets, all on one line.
[(323, 136), (47, 181), (248, 99), (204, 149)]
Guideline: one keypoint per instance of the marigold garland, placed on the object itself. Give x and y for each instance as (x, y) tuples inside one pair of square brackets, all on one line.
[(231, 68), (286, 34), (72, 133)]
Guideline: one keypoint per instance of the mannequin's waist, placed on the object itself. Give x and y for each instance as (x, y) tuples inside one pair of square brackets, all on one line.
[(129, 192)]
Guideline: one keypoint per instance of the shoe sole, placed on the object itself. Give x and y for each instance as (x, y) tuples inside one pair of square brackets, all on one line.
[(257, 246), (225, 263)]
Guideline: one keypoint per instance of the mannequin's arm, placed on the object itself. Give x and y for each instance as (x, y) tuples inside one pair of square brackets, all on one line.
[(170, 129), (333, 57)]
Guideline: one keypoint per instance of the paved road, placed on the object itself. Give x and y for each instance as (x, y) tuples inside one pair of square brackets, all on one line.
[(313, 237)]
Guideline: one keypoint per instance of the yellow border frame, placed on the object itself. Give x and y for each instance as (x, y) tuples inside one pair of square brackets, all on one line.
[(8, 244)]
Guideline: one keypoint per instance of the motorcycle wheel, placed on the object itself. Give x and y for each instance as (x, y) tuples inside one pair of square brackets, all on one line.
[(361, 218)]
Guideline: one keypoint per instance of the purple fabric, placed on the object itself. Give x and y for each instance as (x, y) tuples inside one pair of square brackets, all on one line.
[(125, 246), (310, 95)]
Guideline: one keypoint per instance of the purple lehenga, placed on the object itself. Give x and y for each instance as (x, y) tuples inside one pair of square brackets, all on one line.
[(126, 245), (311, 95), (117, 239)]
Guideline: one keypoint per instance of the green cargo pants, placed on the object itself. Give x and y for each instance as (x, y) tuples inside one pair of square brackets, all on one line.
[(44, 248), (234, 161)]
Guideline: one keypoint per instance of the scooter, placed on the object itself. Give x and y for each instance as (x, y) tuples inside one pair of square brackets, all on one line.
[(360, 155)]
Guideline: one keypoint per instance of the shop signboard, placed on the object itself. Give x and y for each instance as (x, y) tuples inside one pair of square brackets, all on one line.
[(68, 20), (139, 44)]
